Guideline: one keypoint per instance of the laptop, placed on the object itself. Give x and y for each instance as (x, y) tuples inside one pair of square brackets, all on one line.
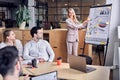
[(46, 76), (79, 63)]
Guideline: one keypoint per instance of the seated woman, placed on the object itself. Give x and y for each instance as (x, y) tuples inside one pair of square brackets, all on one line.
[(10, 40)]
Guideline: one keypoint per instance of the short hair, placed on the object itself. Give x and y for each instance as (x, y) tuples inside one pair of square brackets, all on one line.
[(34, 30), (8, 59)]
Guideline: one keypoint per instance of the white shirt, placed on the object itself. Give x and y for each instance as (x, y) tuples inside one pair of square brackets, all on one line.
[(40, 49), (18, 46)]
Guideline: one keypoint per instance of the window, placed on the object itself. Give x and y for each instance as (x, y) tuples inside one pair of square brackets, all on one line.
[(57, 9)]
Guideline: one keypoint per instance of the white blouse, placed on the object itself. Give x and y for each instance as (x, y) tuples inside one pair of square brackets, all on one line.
[(18, 46)]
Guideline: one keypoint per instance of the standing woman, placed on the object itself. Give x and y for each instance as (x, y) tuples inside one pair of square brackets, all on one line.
[(72, 34), (10, 40)]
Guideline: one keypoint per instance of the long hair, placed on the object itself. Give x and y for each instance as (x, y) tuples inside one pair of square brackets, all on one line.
[(74, 15), (6, 33)]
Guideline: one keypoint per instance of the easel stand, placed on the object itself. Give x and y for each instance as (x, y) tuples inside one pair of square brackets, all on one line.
[(106, 51), (98, 50)]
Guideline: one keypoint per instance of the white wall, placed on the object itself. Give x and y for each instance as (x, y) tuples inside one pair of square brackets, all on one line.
[(32, 13), (115, 21), (111, 59)]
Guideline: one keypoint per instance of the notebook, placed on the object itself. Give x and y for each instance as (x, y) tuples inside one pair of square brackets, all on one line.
[(46, 76), (79, 63)]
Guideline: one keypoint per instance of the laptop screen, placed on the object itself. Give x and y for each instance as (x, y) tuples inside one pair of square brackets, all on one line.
[(47, 76)]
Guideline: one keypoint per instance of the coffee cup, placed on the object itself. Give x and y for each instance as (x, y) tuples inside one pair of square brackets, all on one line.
[(59, 61)]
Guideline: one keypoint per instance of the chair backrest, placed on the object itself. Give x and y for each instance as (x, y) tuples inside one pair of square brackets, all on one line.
[(88, 59)]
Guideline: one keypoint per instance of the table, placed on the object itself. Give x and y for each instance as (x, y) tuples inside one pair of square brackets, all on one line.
[(65, 72)]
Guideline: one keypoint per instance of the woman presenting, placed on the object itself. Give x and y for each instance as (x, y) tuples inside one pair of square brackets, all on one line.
[(72, 34)]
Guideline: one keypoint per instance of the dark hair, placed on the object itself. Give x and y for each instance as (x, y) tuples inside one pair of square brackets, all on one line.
[(5, 34), (34, 31), (8, 59)]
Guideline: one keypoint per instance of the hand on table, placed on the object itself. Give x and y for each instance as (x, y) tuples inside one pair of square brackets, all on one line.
[(41, 60)]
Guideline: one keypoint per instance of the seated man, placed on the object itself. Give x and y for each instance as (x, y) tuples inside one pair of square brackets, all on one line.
[(9, 63), (37, 48)]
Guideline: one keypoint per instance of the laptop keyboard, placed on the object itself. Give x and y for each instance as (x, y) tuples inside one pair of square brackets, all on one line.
[(89, 69)]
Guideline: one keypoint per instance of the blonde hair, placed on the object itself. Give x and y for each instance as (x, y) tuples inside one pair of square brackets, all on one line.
[(74, 15), (6, 33)]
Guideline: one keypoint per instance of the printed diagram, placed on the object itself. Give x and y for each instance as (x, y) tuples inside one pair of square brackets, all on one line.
[(99, 22), (98, 26)]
